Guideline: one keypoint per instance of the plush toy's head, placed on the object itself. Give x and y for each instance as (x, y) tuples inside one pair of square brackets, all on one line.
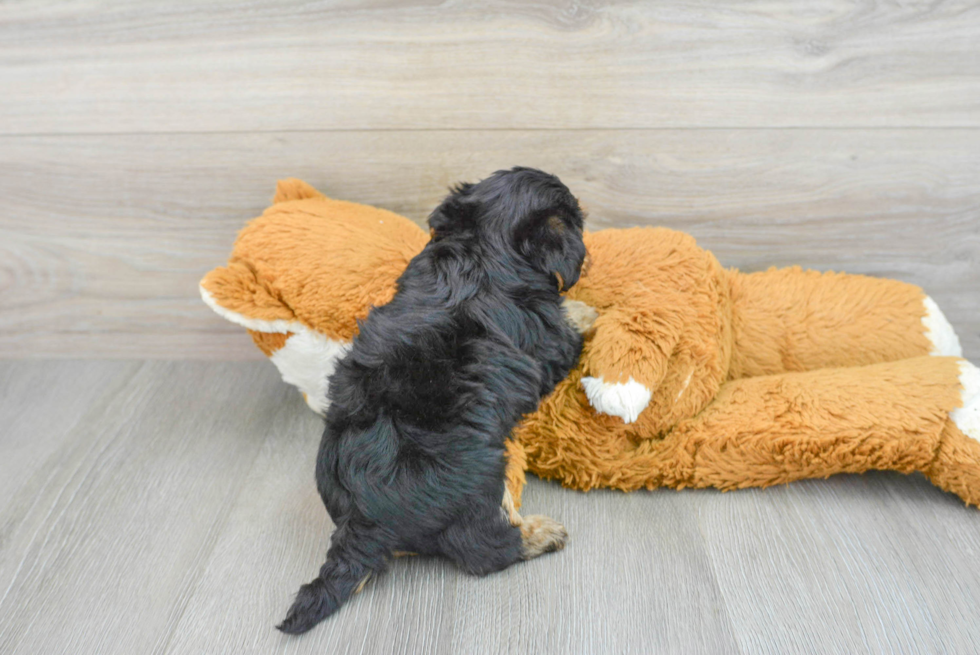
[(274, 286), (304, 273)]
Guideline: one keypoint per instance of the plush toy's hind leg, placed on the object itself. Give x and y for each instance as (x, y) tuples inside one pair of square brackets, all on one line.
[(956, 467), (913, 415), (920, 414), (795, 320)]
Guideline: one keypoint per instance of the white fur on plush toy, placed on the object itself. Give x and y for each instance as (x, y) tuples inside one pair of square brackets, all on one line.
[(306, 360), (623, 399), (967, 417), (274, 327), (945, 343), (940, 333)]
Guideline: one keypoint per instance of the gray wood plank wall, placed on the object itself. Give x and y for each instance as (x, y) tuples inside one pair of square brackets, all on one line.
[(136, 138)]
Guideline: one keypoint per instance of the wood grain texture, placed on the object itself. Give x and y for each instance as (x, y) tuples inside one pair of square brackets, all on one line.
[(181, 515), (556, 604), (42, 405), (103, 543), (103, 240), (101, 67), (874, 563)]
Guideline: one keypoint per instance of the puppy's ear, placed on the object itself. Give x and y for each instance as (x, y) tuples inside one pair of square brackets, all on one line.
[(455, 214), (553, 247)]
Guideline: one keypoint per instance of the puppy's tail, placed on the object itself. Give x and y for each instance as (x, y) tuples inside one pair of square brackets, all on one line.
[(344, 574)]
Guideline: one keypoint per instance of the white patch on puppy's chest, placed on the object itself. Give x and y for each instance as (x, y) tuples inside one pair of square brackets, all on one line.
[(623, 399)]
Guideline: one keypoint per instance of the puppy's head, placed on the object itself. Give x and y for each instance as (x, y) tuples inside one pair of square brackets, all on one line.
[(525, 212)]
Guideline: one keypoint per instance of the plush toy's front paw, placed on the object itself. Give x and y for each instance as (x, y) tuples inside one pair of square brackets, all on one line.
[(623, 399)]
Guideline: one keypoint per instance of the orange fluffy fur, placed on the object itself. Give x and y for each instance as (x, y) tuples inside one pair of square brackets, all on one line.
[(756, 379)]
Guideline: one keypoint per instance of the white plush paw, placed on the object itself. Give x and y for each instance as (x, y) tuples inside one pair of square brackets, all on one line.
[(967, 417), (939, 332), (623, 399)]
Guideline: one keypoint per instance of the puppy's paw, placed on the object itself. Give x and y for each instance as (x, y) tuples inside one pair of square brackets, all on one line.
[(542, 535), (579, 315)]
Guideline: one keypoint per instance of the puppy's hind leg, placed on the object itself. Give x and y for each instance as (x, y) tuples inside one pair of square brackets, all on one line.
[(501, 538), (484, 544), (539, 534)]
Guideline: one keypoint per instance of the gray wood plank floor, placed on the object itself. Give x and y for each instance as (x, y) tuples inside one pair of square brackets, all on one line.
[(169, 507)]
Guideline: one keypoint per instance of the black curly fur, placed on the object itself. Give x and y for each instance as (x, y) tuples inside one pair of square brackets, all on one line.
[(412, 457)]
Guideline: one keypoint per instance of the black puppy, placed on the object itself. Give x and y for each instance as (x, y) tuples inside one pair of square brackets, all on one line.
[(412, 457)]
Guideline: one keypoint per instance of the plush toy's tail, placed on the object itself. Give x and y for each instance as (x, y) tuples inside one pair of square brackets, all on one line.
[(348, 567)]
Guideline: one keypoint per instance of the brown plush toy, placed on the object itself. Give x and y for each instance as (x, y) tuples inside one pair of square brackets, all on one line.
[(691, 375)]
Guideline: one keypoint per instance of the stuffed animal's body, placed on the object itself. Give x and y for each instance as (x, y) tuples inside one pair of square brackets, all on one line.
[(691, 374)]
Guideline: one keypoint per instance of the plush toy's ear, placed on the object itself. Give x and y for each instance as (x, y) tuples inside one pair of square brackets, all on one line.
[(455, 214), (236, 294), (553, 246), (293, 189)]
